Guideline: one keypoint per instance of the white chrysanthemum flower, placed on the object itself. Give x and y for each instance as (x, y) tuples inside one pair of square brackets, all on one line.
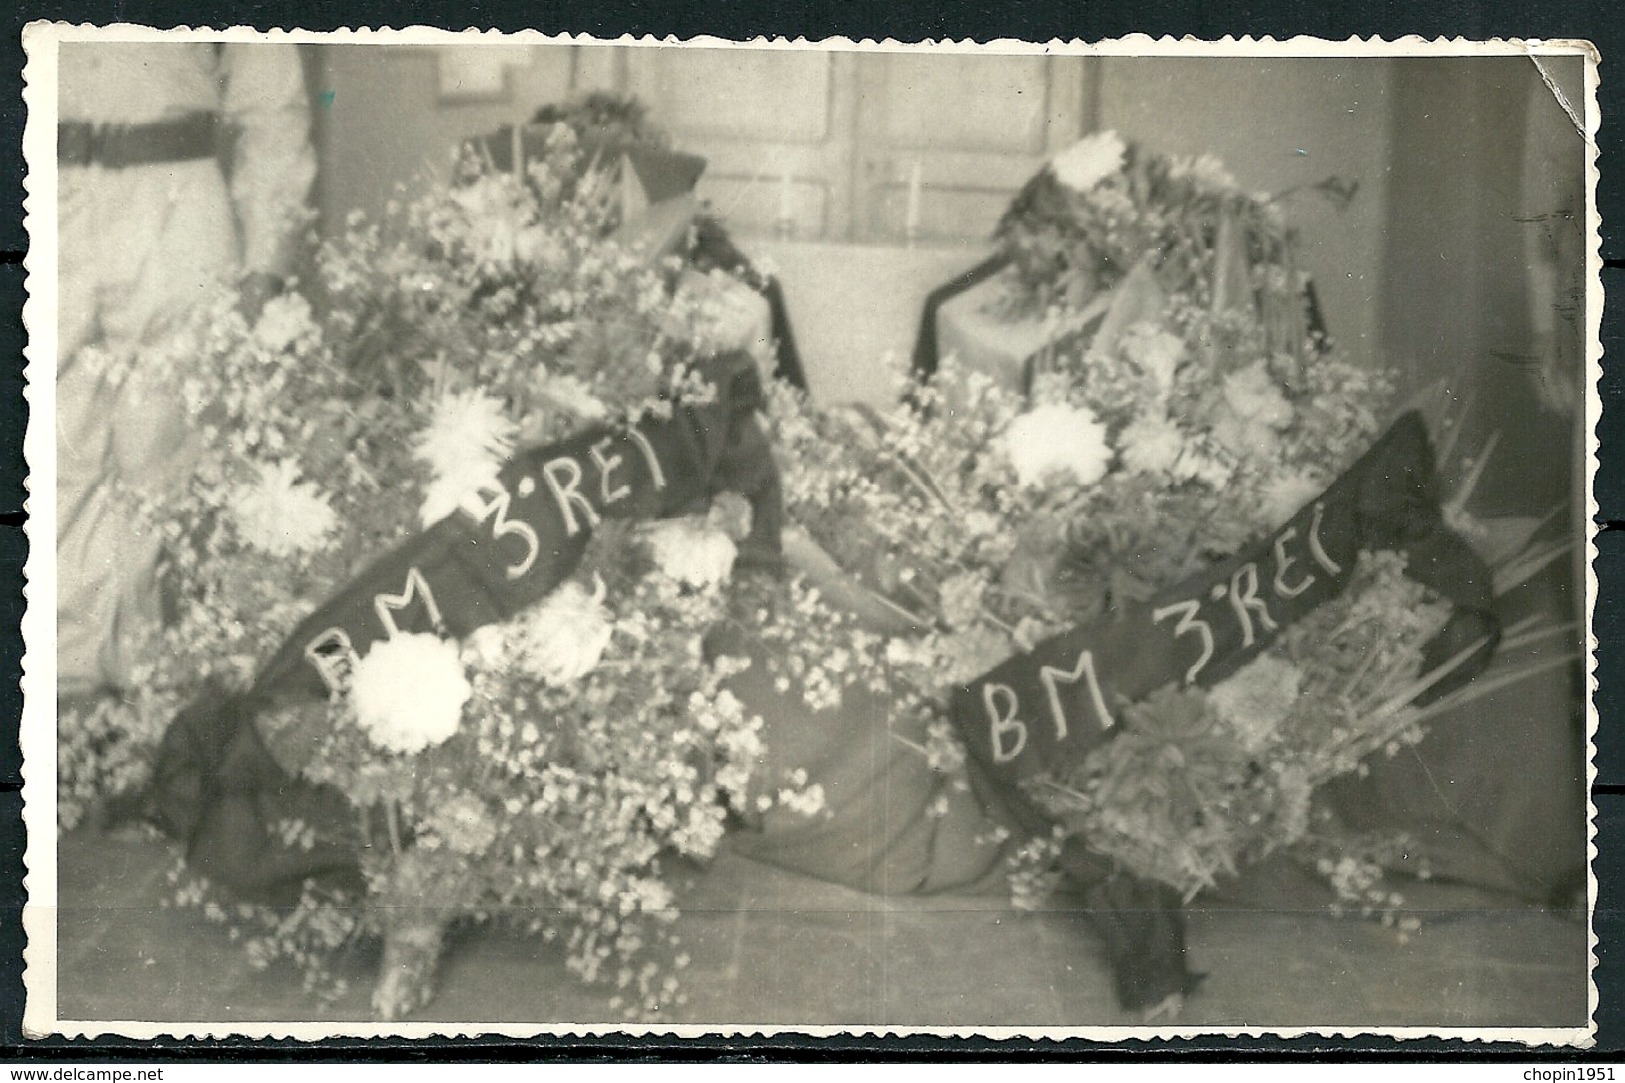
[(691, 551), (285, 319), (1199, 466), (961, 599), (487, 646), (1089, 161), (464, 824), (1152, 445), (409, 691), (445, 494), (1257, 698), (566, 635), (732, 514), (1207, 170), (469, 432), (1253, 411), (1158, 353), (280, 515), (726, 312), (1286, 494), (536, 245), (1057, 438), (965, 655), (1254, 396), (468, 438)]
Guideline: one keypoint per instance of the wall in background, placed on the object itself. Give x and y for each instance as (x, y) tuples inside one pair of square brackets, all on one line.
[(1485, 188), (814, 145), (1432, 264), (1281, 124), (384, 126), (832, 142)]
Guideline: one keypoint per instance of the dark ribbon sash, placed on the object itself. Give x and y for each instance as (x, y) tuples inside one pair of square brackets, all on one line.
[(1051, 706), (478, 567), (216, 785)]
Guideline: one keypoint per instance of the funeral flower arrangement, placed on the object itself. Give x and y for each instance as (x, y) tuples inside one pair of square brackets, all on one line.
[(1187, 414), (1100, 208), (549, 768)]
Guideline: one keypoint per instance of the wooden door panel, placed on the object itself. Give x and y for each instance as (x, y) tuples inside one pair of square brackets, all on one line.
[(945, 140), (736, 94), (964, 103), (773, 125)]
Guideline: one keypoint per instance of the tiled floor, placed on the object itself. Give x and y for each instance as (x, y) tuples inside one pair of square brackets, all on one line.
[(773, 947)]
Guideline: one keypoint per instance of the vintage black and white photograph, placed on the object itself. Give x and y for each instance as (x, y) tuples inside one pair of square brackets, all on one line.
[(570, 536)]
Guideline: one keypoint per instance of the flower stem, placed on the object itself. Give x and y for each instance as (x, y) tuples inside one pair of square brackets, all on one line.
[(392, 821)]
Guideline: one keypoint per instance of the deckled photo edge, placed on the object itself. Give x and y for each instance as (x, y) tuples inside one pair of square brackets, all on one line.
[(38, 723)]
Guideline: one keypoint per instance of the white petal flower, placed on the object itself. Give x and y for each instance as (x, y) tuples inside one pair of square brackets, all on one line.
[(1056, 438), (1152, 445), (566, 635), (446, 493), (960, 599), (1089, 161), (487, 647), (464, 824), (1257, 698), (1254, 396), (280, 515), (1285, 495), (1199, 466), (1253, 410), (1246, 439), (966, 655), (468, 438), (727, 314), (1209, 171), (1157, 352), (691, 551), (569, 393), (533, 244), (469, 433), (409, 691)]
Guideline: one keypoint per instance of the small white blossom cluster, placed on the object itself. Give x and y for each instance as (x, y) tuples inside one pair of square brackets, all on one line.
[(285, 323), (1207, 170), (1254, 411), (496, 223), (800, 795)]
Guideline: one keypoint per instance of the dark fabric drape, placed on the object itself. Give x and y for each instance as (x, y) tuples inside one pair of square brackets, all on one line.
[(217, 787)]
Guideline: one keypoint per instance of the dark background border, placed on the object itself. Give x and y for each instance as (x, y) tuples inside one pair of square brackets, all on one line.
[(904, 20)]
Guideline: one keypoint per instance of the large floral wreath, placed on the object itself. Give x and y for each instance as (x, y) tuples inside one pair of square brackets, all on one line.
[(552, 767), (1188, 409), (547, 769)]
